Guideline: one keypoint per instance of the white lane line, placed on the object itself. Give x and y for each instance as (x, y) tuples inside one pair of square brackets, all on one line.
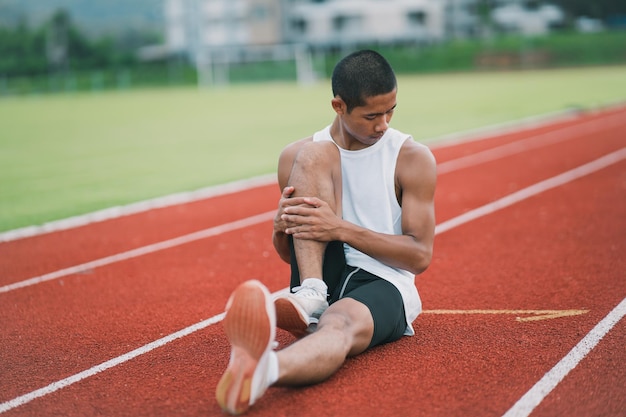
[(66, 382), (139, 207), (144, 250), (534, 189), (55, 386), (533, 142), (521, 125), (525, 405), (160, 342), (208, 192)]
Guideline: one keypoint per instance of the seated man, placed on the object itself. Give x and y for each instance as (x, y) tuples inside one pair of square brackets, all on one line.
[(356, 222)]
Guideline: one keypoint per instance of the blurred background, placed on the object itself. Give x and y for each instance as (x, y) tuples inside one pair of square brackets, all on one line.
[(69, 45)]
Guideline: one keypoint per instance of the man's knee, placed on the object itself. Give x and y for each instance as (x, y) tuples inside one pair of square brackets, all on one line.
[(316, 172), (353, 321), (314, 154)]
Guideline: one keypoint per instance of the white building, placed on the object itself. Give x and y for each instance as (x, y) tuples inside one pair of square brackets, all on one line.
[(341, 22), (192, 24), (514, 17), (461, 20), (230, 31)]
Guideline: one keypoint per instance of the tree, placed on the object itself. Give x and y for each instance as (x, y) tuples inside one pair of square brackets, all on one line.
[(57, 41), (597, 9)]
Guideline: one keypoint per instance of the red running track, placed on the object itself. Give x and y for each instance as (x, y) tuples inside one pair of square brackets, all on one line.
[(523, 301)]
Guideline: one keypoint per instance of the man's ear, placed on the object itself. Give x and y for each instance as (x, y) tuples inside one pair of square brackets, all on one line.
[(339, 106)]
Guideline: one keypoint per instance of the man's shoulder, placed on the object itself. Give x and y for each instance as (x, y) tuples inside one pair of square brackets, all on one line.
[(415, 154)]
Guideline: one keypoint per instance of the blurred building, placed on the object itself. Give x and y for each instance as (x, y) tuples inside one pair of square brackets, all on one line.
[(344, 22), (194, 25), (461, 18), (216, 34), (216, 23), (526, 18)]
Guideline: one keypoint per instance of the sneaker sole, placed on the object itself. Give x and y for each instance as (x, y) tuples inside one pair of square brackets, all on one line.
[(250, 330), (290, 318)]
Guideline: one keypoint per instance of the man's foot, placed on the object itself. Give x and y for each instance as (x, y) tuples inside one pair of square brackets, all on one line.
[(298, 313), (250, 325)]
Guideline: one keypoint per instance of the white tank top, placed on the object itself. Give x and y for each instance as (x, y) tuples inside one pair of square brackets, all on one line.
[(369, 200)]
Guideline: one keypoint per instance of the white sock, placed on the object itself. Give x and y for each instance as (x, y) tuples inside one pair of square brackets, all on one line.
[(272, 368), (316, 283)]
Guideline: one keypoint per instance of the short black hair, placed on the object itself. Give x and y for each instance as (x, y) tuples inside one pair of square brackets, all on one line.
[(361, 75)]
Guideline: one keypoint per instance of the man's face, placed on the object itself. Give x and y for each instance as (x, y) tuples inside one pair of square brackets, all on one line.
[(367, 124)]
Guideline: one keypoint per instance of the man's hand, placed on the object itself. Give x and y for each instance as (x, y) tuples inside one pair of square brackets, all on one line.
[(309, 218), (279, 224)]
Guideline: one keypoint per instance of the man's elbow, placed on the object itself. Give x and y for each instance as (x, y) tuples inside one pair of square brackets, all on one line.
[(285, 257), (281, 245), (421, 262)]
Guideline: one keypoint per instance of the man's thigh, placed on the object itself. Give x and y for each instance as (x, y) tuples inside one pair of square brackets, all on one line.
[(383, 300), (355, 321)]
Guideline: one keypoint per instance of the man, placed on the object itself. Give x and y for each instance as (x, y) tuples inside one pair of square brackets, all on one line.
[(356, 221)]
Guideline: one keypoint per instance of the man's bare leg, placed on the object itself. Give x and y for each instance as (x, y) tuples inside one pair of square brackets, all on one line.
[(345, 329), (316, 172)]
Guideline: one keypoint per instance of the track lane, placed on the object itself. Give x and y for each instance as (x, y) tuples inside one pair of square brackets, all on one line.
[(551, 130), (59, 328), (223, 296), (595, 386), (34, 256), (465, 365), (566, 256), (463, 189)]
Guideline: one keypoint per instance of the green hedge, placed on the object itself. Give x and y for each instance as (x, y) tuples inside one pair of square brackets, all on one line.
[(511, 52), (498, 53)]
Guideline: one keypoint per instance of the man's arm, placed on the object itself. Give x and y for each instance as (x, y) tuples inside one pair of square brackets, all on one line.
[(412, 251), (416, 176)]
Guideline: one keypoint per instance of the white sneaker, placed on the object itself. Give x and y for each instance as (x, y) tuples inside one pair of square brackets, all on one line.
[(250, 325), (299, 313)]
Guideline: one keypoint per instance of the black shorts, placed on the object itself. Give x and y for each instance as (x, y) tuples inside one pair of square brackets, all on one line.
[(380, 296)]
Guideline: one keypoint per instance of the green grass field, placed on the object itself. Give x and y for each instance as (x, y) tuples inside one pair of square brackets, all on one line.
[(64, 155)]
